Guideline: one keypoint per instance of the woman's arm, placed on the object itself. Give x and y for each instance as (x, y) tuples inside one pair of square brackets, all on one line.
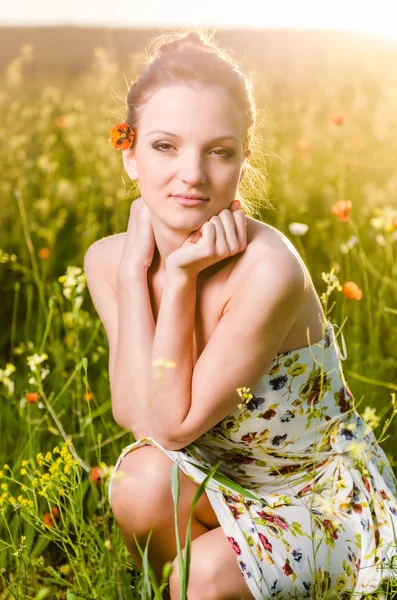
[(129, 381), (172, 355)]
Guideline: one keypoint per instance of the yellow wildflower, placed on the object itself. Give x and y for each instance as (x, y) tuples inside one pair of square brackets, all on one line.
[(48, 456), (4, 486), (357, 448), (23, 471), (25, 463)]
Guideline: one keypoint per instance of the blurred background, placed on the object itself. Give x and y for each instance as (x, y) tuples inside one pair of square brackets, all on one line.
[(325, 84)]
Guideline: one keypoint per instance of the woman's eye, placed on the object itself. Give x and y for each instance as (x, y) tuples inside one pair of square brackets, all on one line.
[(226, 153), (160, 146), (223, 153)]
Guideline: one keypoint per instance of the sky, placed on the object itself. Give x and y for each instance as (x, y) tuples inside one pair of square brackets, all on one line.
[(349, 15)]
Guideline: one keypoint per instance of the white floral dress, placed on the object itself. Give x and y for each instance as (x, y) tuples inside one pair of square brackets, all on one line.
[(303, 492)]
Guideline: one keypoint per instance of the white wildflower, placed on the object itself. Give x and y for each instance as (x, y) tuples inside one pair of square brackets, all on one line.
[(35, 359), (5, 377), (298, 228)]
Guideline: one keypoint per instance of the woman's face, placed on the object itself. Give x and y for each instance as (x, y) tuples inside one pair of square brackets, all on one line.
[(190, 140)]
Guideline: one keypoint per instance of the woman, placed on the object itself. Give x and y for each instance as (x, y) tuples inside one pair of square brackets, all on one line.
[(220, 353)]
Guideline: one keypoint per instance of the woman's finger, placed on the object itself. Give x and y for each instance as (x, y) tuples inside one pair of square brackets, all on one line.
[(221, 245), (229, 224), (241, 228)]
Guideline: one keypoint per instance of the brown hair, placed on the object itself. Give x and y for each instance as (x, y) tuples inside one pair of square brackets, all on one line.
[(176, 58)]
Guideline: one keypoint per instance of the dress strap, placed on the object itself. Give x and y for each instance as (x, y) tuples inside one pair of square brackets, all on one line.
[(344, 355)]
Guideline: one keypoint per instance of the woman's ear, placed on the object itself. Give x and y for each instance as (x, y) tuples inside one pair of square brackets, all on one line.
[(130, 164)]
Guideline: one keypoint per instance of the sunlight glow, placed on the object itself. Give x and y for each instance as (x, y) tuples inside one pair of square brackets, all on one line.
[(348, 15)]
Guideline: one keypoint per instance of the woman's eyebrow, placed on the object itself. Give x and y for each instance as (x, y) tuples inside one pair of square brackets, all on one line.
[(221, 137)]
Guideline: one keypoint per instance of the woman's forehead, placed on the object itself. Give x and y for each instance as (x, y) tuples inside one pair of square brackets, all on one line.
[(175, 108)]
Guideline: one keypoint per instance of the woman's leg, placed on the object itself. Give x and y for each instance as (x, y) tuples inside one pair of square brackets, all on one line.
[(142, 498)]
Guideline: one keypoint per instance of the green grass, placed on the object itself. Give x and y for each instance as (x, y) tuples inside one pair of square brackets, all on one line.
[(63, 187)]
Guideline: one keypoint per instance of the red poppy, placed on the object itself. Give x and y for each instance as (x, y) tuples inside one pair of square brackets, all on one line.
[(338, 118), (352, 291), (48, 519), (32, 397), (44, 253), (95, 474), (121, 136), (62, 121), (342, 210)]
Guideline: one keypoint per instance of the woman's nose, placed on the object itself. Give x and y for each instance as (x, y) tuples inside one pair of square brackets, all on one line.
[(192, 170)]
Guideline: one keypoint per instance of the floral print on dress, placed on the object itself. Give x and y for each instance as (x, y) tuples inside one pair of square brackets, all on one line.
[(303, 491)]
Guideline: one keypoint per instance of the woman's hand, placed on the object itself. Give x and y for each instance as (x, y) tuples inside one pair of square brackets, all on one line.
[(223, 235), (139, 245)]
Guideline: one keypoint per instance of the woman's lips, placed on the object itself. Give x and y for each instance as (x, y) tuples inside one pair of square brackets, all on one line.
[(189, 201)]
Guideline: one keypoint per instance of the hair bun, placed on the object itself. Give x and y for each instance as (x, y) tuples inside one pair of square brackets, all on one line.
[(192, 40)]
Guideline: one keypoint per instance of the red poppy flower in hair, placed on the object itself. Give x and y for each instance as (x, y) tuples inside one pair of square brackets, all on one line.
[(121, 136)]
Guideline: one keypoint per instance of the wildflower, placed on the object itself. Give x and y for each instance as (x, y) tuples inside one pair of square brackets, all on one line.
[(352, 291), (4, 486), (35, 360), (342, 210), (23, 471), (88, 396), (345, 247), (298, 228), (25, 463), (44, 253), (108, 544), (245, 395), (74, 278), (65, 569), (95, 474), (5, 377), (356, 448), (32, 397), (338, 118), (371, 418), (48, 519), (62, 121)]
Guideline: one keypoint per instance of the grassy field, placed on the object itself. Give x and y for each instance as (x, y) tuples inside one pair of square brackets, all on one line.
[(328, 142)]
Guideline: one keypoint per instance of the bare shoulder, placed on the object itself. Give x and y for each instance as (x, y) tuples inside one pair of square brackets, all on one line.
[(269, 250), (105, 254), (271, 259)]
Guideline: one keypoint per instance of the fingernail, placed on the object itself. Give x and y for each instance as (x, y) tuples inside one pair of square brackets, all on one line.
[(237, 204)]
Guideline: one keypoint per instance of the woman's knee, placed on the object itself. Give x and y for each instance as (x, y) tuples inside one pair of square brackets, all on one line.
[(141, 487)]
